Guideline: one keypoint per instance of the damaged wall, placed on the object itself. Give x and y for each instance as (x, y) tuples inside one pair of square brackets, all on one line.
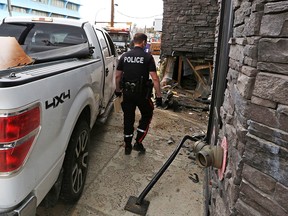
[(189, 26), (255, 113)]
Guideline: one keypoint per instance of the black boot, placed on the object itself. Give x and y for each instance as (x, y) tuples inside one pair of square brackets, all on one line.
[(128, 148), (139, 147)]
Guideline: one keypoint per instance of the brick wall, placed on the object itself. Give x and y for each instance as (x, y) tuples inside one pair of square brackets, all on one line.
[(189, 26), (255, 113)]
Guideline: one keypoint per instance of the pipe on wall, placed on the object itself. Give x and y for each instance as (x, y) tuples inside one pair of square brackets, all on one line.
[(208, 155)]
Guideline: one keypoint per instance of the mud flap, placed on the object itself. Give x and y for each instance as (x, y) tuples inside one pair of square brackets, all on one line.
[(53, 195)]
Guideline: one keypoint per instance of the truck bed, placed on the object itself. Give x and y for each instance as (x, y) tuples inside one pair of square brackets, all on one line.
[(22, 75)]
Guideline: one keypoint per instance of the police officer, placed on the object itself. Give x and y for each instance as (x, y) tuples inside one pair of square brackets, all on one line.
[(132, 79)]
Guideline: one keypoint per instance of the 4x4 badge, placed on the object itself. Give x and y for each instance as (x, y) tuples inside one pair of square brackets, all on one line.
[(57, 100)]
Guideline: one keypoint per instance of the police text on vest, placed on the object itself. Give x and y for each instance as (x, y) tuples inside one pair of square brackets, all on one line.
[(139, 60)]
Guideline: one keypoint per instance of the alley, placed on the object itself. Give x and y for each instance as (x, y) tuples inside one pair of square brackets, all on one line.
[(113, 177)]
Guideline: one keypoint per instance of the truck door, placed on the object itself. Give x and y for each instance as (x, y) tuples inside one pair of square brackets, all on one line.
[(110, 57)]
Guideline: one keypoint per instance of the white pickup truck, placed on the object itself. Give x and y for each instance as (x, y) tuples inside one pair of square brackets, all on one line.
[(56, 80)]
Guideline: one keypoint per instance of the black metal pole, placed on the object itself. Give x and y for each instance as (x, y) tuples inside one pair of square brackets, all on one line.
[(221, 65), (162, 170)]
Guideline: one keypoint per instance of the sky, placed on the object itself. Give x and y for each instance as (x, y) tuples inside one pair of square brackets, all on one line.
[(139, 12)]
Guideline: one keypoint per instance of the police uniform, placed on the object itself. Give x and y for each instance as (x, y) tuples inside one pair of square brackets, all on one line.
[(136, 87)]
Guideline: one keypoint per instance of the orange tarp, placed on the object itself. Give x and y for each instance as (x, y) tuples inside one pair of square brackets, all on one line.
[(12, 54)]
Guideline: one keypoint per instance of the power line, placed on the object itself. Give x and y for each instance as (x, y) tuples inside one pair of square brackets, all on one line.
[(138, 17)]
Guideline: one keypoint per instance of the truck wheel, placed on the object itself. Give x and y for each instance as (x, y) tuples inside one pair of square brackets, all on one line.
[(76, 163)]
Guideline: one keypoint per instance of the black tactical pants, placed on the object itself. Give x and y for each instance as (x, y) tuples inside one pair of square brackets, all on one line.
[(146, 107)]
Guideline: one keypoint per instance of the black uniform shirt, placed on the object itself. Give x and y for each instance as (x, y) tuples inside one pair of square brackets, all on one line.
[(135, 64)]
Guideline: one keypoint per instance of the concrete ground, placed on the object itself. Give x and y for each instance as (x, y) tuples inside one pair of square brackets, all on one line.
[(113, 177)]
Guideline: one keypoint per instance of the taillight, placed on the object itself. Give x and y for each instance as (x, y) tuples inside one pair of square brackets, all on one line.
[(17, 133)]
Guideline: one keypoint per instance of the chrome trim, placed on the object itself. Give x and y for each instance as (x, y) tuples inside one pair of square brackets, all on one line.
[(9, 145), (18, 111)]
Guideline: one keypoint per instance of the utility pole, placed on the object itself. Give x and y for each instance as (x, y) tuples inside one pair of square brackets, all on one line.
[(112, 13), (9, 7)]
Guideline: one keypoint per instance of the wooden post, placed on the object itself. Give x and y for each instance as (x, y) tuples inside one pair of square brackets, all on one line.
[(179, 71), (112, 13)]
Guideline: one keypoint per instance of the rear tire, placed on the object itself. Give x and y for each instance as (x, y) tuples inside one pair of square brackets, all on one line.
[(75, 164)]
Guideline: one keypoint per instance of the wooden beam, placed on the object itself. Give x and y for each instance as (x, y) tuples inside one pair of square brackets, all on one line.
[(179, 71), (197, 75)]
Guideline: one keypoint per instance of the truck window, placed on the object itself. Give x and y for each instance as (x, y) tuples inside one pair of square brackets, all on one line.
[(119, 37), (103, 43), (111, 44), (38, 37)]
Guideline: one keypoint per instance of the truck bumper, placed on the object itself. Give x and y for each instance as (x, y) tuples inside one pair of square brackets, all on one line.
[(26, 208)]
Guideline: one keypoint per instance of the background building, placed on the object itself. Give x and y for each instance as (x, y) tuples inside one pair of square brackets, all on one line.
[(50, 8), (189, 28)]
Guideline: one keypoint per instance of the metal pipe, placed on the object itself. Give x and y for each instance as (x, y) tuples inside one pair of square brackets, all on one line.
[(208, 155)]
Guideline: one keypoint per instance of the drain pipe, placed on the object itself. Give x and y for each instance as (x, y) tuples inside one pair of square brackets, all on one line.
[(139, 205), (208, 155)]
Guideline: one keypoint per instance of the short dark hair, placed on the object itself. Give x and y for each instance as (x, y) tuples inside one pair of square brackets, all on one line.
[(139, 38)]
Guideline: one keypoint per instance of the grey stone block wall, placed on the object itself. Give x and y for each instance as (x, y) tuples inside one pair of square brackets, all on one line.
[(189, 27), (255, 113)]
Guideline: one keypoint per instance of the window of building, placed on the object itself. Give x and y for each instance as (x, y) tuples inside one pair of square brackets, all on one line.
[(57, 15), (19, 9), (58, 3), (39, 13), (41, 1), (70, 17), (71, 6)]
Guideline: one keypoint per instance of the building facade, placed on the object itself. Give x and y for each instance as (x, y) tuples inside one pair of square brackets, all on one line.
[(249, 107), (189, 28), (254, 112), (50, 8)]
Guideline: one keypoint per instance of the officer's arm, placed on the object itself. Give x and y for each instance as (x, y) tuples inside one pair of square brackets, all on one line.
[(118, 80), (156, 83)]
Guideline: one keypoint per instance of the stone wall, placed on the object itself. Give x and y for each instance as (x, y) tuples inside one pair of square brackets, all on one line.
[(255, 113), (189, 27)]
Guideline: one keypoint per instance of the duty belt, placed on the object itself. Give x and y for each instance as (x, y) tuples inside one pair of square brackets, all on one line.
[(138, 87), (132, 87)]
